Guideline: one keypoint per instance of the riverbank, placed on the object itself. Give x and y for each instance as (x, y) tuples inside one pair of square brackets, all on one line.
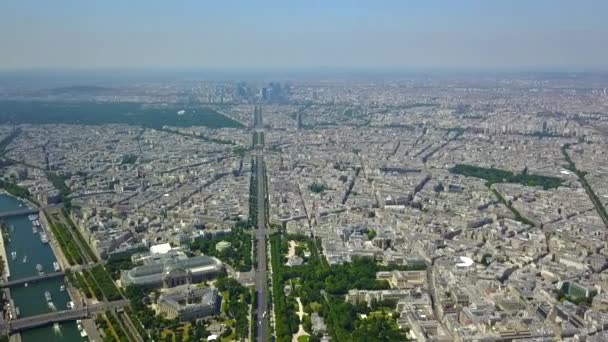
[(7, 271), (61, 259), (34, 255), (27, 202)]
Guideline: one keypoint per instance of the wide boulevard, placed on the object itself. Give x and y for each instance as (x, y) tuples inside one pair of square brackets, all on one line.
[(260, 277)]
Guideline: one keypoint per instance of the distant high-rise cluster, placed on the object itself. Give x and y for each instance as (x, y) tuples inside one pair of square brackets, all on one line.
[(273, 92)]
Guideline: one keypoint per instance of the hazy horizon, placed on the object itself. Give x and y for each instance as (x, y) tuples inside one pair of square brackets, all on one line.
[(277, 35)]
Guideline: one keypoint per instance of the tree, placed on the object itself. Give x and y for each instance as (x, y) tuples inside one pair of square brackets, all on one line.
[(377, 329)]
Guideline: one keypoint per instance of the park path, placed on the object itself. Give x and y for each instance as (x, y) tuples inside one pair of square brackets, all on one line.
[(292, 249), (301, 331)]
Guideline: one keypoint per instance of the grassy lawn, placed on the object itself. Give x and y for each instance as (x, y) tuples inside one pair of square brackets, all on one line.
[(225, 299), (303, 339)]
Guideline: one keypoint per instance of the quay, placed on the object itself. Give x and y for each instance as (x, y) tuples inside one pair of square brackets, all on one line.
[(34, 316), (7, 271)]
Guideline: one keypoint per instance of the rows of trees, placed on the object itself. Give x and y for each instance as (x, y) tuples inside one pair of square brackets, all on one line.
[(286, 321), (253, 313), (581, 177), (266, 194), (105, 283), (136, 323), (258, 139), (517, 215), (492, 176), (253, 194), (86, 248), (236, 305), (92, 285), (78, 280), (64, 239), (111, 327)]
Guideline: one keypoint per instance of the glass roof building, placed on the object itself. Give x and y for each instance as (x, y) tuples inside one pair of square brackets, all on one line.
[(172, 270)]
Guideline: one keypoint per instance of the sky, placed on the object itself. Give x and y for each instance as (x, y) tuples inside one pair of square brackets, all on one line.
[(302, 34)]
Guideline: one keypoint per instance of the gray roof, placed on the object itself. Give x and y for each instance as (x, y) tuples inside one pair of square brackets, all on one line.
[(153, 274)]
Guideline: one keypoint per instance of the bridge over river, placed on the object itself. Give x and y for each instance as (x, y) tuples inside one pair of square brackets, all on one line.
[(18, 212), (59, 316), (31, 279)]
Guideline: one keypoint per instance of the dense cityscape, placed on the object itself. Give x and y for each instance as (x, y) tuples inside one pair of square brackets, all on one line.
[(422, 208)]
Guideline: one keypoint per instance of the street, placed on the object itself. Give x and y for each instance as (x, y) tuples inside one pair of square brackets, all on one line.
[(260, 276)]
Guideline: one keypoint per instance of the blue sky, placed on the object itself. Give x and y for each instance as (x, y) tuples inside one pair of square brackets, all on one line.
[(272, 34)]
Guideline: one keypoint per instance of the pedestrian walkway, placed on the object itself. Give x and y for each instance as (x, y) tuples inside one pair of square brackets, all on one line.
[(301, 331)]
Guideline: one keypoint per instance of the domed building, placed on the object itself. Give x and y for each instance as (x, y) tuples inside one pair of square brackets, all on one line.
[(222, 246)]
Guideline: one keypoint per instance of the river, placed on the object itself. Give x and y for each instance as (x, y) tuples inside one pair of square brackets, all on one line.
[(31, 300)]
